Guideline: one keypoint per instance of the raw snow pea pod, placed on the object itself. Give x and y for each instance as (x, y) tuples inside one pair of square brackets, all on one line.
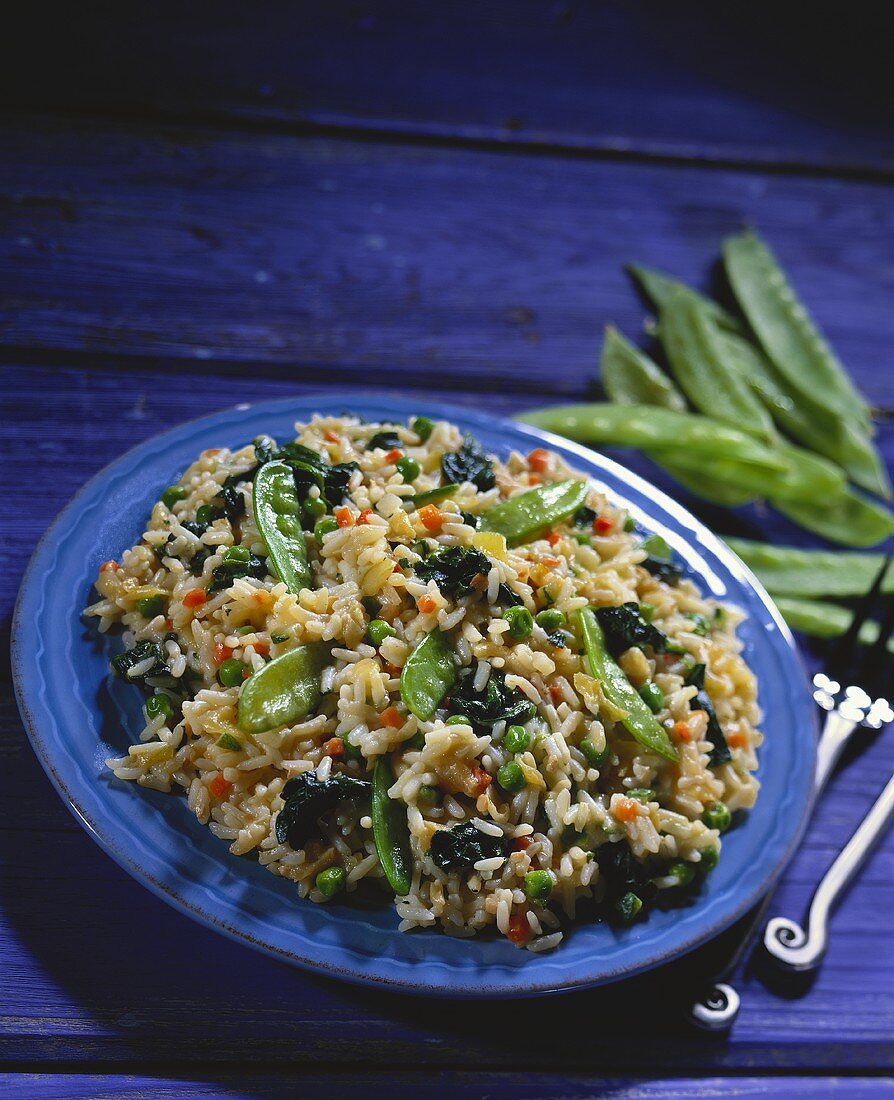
[(844, 517), (785, 330), (825, 620), (391, 832), (284, 690), (527, 513), (658, 287), (638, 720), (277, 514), (789, 571), (630, 377), (428, 674), (646, 427), (702, 371)]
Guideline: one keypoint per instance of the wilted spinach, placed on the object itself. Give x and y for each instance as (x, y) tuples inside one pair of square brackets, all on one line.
[(659, 561), (469, 463), (624, 626), (622, 873), (507, 597), (584, 517), (386, 441), (460, 848), (122, 663), (306, 799), (453, 569), (228, 571), (494, 703), (720, 753)]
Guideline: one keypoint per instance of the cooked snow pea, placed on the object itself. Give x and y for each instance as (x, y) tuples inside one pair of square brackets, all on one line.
[(804, 419), (638, 720), (630, 377), (844, 517), (277, 512), (429, 496), (785, 330), (703, 372), (524, 515), (825, 620), (284, 690), (647, 427), (658, 287), (789, 571), (428, 674), (391, 832)]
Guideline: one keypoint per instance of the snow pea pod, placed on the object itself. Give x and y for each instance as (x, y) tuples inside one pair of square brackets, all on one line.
[(284, 690), (391, 832), (702, 370), (277, 514), (638, 719), (646, 427), (429, 496), (630, 377), (844, 517), (790, 571), (527, 513), (658, 287), (428, 674), (825, 620), (785, 330)]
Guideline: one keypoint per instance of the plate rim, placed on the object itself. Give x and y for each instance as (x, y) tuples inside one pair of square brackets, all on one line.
[(516, 984)]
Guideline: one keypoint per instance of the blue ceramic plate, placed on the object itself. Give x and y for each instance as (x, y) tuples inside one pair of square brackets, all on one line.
[(76, 716)]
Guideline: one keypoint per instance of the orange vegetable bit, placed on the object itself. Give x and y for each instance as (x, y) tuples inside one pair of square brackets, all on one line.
[(550, 561), (194, 598), (219, 787), (394, 455), (602, 525), (556, 693), (334, 747), (480, 781), (432, 517), (682, 731), (222, 652), (538, 459), (519, 930), (552, 537), (737, 739), (344, 517), (626, 809), (364, 516), (109, 567), (426, 604), (522, 843), (392, 718), (330, 436)]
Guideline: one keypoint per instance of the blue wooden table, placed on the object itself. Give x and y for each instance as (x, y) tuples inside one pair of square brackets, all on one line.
[(199, 209)]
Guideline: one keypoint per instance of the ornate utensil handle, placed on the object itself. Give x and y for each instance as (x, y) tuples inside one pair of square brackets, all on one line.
[(789, 943)]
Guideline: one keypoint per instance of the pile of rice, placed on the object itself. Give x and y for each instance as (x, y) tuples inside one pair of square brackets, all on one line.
[(567, 812)]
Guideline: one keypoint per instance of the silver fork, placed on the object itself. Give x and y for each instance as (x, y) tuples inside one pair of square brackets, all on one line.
[(848, 707)]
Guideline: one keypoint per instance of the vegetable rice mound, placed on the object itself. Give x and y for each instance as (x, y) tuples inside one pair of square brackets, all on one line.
[(377, 659)]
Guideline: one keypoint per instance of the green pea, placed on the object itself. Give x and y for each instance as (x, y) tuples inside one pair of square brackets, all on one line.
[(457, 720), (551, 619), (710, 857), (171, 495), (331, 881), (408, 468), (231, 672), (628, 906), (378, 630), (314, 507), (428, 795), (684, 873), (629, 524), (242, 631), (521, 621), (538, 886), (641, 794), (324, 526), (516, 739), (228, 742), (150, 606), (511, 777), (423, 427), (157, 704), (652, 696), (717, 817), (237, 553), (582, 539), (594, 756)]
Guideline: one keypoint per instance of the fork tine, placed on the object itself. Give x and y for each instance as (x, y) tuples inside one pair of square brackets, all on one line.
[(845, 647)]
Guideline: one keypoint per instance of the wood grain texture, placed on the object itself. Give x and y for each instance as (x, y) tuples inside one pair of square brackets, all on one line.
[(95, 968), (732, 82), (415, 266)]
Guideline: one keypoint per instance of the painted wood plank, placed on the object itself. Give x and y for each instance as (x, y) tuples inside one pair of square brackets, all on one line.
[(75, 988), (435, 1086), (683, 80), (412, 265)]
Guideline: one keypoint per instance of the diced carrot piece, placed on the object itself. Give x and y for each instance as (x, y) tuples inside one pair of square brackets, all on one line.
[(194, 598), (556, 693), (533, 479), (682, 731), (602, 525), (480, 781), (626, 809), (363, 518), (330, 436), (392, 718), (538, 459), (222, 652), (109, 567), (519, 929), (334, 747), (394, 455), (737, 739), (552, 537), (426, 604), (219, 787), (550, 561), (261, 646), (432, 517), (344, 517)]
